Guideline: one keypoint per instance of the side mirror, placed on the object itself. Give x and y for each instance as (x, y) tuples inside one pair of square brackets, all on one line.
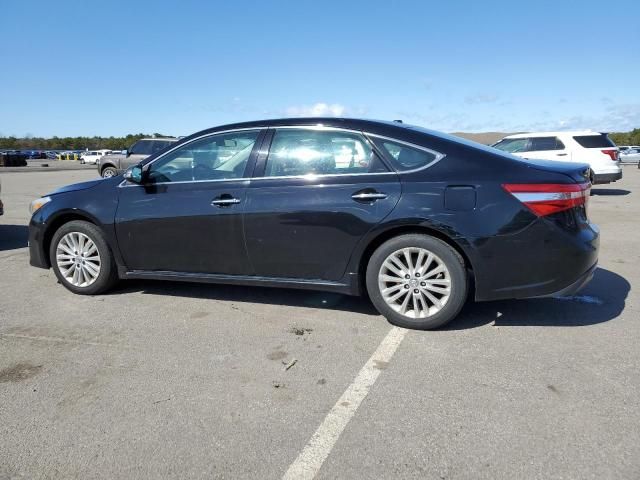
[(126, 152), (134, 174)]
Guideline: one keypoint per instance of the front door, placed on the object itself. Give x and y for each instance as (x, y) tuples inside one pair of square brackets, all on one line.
[(318, 193), (187, 215)]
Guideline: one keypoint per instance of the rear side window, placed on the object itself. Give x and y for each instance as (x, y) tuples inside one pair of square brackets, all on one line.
[(141, 147), (513, 145), (539, 144), (594, 141), (159, 145), (300, 152), (405, 157)]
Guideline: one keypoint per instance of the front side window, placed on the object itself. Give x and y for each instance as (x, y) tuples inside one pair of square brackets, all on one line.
[(512, 145), (405, 157), (541, 144), (217, 157), (297, 152)]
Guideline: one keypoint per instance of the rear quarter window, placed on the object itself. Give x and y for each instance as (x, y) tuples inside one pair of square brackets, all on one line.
[(594, 141), (405, 157)]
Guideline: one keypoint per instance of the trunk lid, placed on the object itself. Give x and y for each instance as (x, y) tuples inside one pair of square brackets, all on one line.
[(578, 172)]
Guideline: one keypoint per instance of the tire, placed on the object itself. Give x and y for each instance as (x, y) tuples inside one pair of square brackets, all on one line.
[(109, 172), (79, 232), (449, 279)]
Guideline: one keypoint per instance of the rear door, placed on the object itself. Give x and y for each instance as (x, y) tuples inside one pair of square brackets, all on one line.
[(313, 196), (547, 148)]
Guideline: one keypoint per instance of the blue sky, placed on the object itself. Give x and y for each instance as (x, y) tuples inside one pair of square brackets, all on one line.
[(117, 67)]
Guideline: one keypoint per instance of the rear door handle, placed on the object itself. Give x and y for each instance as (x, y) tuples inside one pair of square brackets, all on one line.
[(561, 154), (368, 196), (225, 200)]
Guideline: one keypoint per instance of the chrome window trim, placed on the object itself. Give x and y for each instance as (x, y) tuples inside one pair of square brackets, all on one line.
[(125, 183), (439, 156)]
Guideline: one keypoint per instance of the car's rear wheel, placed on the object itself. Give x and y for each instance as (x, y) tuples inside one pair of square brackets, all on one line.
[(82, 259), (417, 281), (109, 172)]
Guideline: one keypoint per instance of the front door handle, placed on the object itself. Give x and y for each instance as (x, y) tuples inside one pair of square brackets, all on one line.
[(561, 154), (225, 200), (368, 196)]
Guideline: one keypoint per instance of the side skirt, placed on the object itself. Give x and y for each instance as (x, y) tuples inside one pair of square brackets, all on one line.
[(350, 288)]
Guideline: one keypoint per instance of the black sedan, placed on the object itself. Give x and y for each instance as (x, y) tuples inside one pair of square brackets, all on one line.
[(413, 218)]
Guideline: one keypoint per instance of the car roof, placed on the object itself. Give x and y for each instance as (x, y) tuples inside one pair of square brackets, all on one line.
[(164, 139), (570, 133), (372, 126)]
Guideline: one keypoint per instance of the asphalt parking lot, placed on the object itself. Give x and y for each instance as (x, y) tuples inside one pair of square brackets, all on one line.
[(170, 380)]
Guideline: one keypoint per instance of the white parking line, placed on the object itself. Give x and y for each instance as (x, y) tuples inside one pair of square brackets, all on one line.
[(57, 340), (308, 463)]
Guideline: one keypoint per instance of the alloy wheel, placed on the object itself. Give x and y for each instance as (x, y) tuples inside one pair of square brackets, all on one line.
[(78, 259), (414, 282)]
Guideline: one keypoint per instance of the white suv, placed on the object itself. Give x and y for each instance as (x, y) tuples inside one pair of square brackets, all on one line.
[(93, 156), (593, 148)]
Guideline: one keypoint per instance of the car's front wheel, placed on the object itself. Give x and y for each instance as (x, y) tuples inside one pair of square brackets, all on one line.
[(82, 259), (417, 281), (109, 172)]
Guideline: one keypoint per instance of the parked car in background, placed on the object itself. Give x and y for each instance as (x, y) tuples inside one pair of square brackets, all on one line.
[(92, 156), (593, 148), (629, 154), (408, 216), (112, 165), (34, 154)]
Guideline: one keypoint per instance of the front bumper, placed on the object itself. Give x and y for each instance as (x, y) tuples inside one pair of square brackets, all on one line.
[(37, 256), (606, 177)]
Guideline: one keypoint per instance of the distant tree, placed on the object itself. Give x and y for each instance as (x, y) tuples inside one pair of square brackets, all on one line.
[(71, 143)]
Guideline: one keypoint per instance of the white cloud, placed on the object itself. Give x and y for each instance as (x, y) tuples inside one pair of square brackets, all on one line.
[(319, 109), (480, 98)]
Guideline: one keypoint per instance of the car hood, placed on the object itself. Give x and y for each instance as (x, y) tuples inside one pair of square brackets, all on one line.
[(77, 186)]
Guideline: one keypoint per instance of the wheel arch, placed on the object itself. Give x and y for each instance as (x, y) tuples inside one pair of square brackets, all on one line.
[(105, 165), (59, 221), (398, 230)]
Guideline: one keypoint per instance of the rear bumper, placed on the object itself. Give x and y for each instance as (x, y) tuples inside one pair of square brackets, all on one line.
[(606, 177), (538, 261), (576, 286)]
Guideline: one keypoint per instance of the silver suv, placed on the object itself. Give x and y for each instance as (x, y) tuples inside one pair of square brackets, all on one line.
[(115, 164)]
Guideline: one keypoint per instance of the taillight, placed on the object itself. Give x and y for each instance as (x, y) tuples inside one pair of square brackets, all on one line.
[(547, 198), (612, 153)]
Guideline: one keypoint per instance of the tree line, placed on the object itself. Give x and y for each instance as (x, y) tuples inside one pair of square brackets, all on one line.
[(626, 138), (72, 143), (120, 143)]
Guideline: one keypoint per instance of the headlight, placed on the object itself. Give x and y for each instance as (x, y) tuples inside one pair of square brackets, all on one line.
[(38, 204)]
